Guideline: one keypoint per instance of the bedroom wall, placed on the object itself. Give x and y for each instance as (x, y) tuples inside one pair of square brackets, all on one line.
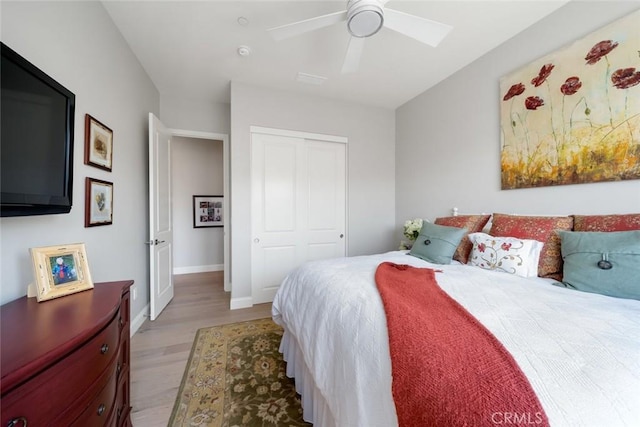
[(447, 138), (197, 170), (177, 112), (370, 167), (78, 45)]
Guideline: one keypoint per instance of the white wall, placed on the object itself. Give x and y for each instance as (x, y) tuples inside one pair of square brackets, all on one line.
[(371, 151), (196, 170), (77, 44), (448, 142), (194, 114)]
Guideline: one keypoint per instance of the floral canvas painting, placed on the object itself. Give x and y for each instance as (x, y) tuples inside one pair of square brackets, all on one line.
[(573, 116)]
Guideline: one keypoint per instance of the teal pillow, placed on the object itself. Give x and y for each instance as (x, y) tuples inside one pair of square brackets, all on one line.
[(437, 243), (606, 263)]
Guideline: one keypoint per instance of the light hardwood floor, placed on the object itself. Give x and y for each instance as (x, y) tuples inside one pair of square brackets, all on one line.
[(160, 349)]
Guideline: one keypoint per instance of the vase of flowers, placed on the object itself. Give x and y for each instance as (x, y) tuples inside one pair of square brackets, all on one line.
[(412, 228)]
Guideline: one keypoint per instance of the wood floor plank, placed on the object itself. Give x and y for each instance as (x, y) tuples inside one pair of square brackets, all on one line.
[(160, 349)]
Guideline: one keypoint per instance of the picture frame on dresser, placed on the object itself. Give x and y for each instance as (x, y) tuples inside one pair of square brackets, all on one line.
[(60, 270)]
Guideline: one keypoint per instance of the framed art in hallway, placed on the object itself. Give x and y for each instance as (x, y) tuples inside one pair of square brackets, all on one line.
[(207, 211), (98, 209), (98, 144), (60, 270)]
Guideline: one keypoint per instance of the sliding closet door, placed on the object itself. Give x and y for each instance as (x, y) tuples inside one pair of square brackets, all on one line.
[(298, 206)]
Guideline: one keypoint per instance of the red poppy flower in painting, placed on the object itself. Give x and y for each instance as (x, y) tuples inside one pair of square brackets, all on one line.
[(542, 75), (533, 102), (599, 50), (624, 78), (514, 90), (571, 86)]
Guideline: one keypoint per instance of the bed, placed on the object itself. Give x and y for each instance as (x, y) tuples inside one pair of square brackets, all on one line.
[(579, 351)]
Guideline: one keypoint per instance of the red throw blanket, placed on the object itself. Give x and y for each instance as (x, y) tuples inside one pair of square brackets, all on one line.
[(448, 369)]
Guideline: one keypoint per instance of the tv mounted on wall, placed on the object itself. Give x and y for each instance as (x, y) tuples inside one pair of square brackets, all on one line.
[(36, 149)]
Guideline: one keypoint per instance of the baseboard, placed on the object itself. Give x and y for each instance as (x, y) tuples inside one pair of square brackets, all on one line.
[(244, 302), (138, 320), (198, 269)]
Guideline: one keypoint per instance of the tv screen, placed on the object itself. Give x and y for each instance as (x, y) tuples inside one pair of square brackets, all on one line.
[(36, 150)]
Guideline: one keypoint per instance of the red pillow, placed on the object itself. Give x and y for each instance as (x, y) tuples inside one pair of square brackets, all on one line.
[(473, 223), (624, 222), (540, 228)]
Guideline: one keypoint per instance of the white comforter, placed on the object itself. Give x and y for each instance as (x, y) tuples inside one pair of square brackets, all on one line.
[(580, 351)]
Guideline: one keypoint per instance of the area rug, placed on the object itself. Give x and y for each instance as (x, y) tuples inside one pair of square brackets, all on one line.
[(235, 376)]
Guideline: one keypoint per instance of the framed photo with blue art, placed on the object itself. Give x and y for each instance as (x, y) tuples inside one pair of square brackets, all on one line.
[(60, 270), (98, 208), (208, 211)]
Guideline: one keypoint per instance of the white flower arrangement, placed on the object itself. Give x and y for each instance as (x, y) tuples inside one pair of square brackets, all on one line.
[(412, 228)]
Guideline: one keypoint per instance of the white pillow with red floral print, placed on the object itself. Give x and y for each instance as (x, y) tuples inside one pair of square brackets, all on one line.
[(506, 254)]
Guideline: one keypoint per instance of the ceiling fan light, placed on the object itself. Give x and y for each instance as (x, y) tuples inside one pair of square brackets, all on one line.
[(365, 23)]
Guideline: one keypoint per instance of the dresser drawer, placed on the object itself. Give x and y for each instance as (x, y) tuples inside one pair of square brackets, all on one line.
[(69, 380), (122, 400), (101, 408)]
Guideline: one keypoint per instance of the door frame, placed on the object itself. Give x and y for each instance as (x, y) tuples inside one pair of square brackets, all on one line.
[(226, 206), (309, 136)]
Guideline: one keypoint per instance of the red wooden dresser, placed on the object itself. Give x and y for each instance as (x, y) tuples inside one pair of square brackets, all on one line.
[(65, 362)]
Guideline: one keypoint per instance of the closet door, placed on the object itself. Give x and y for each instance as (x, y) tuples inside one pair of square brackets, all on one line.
[(298, 206)]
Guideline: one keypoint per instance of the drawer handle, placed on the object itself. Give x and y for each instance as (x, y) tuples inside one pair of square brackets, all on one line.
[(101, 409), (119, 413), (104, 348), (121, 322), (118, 368), (14, 422)]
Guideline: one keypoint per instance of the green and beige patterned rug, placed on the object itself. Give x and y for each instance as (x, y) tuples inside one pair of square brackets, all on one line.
[(235, 376)]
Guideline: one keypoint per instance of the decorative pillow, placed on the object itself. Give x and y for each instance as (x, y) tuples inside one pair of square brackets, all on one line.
[(437, 243), (540, 228), (507, 254), (606, 263), (473, 223), (623, 222)]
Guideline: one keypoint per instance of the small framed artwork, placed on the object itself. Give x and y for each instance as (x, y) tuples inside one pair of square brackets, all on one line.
[(207, 211), (60, 270), (98, 208), (98, 144)]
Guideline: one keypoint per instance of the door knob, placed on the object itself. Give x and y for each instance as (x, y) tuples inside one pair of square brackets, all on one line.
[(341, 236), (256, 240), (154, 242)]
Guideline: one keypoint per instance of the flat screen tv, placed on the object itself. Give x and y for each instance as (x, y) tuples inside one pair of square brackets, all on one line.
[(36, 149)]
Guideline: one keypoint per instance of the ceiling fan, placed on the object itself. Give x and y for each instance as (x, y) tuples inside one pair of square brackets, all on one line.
[(365, 18)]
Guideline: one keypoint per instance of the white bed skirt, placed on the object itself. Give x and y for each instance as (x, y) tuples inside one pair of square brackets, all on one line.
[(314, 406)]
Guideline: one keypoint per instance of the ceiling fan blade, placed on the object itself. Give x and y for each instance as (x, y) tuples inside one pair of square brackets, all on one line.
[(301, 27), (422, 29), (352, 57)]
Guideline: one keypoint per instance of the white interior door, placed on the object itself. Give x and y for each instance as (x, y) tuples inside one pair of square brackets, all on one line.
[(160, 221), (298, 207)]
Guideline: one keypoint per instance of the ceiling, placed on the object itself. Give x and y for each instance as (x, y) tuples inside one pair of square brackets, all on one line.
[(190, 48)]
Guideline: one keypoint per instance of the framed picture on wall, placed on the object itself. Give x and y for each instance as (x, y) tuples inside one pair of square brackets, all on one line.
[(98, 208), (98, 144), (207, 211)]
